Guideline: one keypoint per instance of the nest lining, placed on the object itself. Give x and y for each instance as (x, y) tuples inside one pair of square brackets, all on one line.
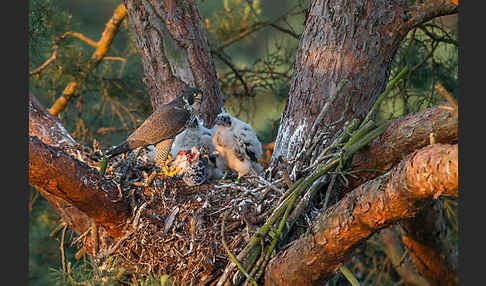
[(178, 228)]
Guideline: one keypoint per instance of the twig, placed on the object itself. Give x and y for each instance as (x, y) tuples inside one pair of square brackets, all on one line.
[(46, 63), (234, 69), (81, 236), (287, 31), (57, 229), (82, 38), (61, 248), (257, 26), (32, 200), (233, 258), (114, 247), (122, 68), (136, 220), (446, 95), (302, 205), (286, 177), (388, 89), (74, 282), (328, 193), (349, 275)]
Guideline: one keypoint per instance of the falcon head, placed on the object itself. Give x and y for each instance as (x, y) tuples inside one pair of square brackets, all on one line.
[(223, 119), (193, 98)]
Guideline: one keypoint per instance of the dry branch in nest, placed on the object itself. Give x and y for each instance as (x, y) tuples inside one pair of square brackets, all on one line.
[(176, 229)]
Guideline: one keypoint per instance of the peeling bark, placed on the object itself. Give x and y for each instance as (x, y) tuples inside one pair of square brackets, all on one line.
[(403, 136), (352, 40), (46, 126), (425, 238), (395, 196), (175, 52)]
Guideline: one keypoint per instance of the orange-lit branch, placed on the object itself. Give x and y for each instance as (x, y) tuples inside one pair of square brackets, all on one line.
[(395, 196), (102, 47)]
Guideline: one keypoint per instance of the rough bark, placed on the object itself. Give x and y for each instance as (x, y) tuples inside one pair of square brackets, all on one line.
[(425, 238), (394, 251), (352, 40), (59, 174), (75, 190), (397, 195), (175, 52), (47, 127), (403, 136)]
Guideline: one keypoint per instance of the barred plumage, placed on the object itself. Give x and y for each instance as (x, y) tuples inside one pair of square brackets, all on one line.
[(163, 125)]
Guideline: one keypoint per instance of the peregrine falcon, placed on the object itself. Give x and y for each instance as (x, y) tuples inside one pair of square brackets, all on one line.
[(162, 126), (237, 145)]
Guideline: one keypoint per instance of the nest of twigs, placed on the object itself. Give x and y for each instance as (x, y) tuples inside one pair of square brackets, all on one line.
[(176, 229), (217, 231)]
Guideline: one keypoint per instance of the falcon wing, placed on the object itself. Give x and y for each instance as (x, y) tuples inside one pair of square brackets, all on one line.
[(166, 122)]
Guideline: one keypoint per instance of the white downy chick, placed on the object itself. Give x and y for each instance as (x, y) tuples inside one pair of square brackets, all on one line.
[(237, 145)]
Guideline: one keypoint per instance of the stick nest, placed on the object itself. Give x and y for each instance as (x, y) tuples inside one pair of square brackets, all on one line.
[(176, 229)]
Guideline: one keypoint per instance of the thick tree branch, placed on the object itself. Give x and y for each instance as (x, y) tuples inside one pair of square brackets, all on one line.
[(403, 136), (46, 126), (424, 11), (74, 189), (102, 47), (59, 174), (397, 195), (425, 238)]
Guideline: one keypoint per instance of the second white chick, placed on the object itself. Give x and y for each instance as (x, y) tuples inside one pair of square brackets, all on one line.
[(196, 135), (237, 145)]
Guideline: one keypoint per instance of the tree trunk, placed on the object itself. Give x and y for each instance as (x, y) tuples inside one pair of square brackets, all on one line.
[(175, 52), (345, 40)]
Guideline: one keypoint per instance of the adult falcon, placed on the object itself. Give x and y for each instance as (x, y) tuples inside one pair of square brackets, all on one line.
[(162, 126)]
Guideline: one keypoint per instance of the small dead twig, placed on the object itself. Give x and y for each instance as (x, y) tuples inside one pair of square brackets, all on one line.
[(81, 236), (32, 200), (170, 220), (51, 59), (233, 258), (446, 95), (114, 247), (286, 177), (61, 248)]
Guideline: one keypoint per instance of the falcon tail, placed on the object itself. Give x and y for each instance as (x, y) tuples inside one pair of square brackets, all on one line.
[(122, 148)]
